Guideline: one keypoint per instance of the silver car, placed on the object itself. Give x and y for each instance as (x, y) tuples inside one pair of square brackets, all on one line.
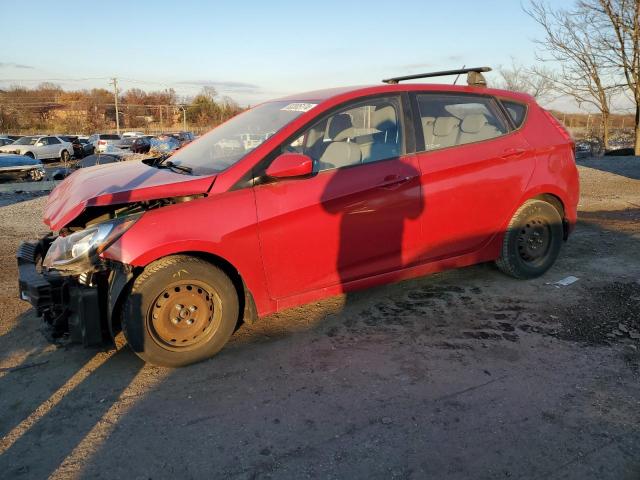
[(40, 147)]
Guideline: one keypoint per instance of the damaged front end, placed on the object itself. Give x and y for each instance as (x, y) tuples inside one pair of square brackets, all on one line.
[(68, 282)]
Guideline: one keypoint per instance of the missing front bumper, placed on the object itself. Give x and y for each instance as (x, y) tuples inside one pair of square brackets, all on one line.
[(67, 306)]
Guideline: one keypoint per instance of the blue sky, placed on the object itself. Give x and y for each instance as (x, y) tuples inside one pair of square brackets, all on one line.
[(253, 51)]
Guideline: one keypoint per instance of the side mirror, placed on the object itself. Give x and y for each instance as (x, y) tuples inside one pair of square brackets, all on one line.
[(290, 165)]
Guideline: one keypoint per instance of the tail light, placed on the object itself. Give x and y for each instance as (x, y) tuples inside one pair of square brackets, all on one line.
[(102, 142)]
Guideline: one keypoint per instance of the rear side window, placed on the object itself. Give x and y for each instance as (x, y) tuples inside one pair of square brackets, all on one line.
[(448, 120), (53, 140), (517, 112)]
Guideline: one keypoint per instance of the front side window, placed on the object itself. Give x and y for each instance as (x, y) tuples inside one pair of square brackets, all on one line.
[(448, 120), (363, 132), (225, 145)]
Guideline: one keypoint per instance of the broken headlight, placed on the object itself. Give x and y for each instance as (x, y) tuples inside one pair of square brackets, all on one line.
[(78, 251)]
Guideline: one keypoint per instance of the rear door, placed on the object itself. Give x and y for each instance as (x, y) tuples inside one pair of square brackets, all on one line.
[(474, 167), (357, 216)]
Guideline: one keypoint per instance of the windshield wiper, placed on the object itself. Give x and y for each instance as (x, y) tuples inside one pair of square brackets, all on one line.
[(174, 166)]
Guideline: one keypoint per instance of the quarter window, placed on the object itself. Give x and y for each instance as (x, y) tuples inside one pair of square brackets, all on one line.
[(364, 132), (450, 120), (517, 112)]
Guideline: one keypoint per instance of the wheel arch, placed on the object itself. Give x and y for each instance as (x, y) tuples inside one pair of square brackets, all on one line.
[(123, 279), (554, 196)]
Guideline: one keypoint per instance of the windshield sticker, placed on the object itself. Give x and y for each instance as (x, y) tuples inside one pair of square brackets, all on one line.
[(299, 107)]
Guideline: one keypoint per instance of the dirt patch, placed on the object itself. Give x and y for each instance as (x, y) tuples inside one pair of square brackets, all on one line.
[(607, 314)]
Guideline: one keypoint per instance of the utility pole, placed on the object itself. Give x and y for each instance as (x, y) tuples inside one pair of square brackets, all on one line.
[(114, 82), (184, 118)]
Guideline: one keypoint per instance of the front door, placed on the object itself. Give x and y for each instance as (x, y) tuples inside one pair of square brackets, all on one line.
[(357, 216)]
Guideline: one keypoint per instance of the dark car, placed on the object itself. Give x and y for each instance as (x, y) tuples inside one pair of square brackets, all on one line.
[(126, 143), (141, 144), (20, 167), (183, 137), (98, 159), (164, 143), (78, 150)]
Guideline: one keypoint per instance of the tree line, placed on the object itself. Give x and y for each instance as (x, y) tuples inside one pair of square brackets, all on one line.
[(589, 52), (50, 108)]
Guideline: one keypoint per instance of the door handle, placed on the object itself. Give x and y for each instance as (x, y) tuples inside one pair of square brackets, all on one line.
[(512, 153), (393, 181)]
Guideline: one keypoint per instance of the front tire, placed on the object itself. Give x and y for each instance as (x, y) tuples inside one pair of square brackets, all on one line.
[(532, 241), (181, 310)]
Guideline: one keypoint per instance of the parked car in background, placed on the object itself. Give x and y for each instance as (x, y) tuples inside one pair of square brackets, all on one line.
[(87, 147), (14, 137), (5, 141), (20, 167), (101, 141), (126, 143), (41, 147), (78, 150), (98, 159), (351, 188), (141, 144), (164, 143), (182, 137), (132, 134)]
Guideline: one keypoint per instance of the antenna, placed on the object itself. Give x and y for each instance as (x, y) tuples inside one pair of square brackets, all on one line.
[(458, 76)]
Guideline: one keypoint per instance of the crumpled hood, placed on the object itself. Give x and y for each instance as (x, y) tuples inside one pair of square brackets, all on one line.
[(114, 184)]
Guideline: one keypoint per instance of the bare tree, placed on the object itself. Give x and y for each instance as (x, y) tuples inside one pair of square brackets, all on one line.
[(570, 42), (518, 78), (618, 34)]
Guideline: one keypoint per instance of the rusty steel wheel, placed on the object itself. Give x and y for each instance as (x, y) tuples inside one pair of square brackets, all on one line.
[(180, 310), (184, 314)]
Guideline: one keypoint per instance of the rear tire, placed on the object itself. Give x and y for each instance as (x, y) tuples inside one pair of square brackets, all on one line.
[(64, 156), (532, 241), (30, 155), (181, 310)]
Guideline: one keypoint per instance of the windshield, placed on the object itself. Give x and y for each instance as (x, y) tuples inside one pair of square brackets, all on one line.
[(225, 145), (26, 141)]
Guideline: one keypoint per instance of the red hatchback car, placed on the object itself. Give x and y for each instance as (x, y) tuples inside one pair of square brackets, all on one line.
[(298, 199)]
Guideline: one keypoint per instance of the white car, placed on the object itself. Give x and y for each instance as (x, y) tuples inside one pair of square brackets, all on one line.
[(132, 134), (41, 147), (101, 141)]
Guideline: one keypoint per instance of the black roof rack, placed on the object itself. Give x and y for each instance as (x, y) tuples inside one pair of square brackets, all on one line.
[(477, 70)]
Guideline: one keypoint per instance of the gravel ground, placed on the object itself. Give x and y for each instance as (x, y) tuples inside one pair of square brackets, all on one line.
[(463, 374)]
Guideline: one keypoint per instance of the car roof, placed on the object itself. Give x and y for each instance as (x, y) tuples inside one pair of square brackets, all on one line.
[(363, 90)]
